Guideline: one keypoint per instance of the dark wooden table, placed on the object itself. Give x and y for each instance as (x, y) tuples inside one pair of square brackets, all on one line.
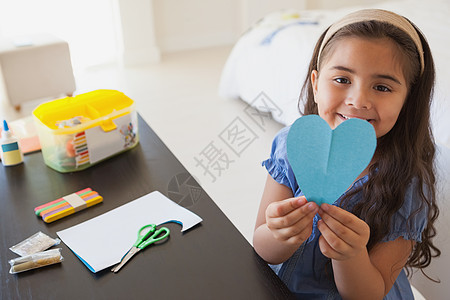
[(211, 261)]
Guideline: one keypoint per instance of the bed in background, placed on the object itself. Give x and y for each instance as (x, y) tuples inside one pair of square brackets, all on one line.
[(272, 58)]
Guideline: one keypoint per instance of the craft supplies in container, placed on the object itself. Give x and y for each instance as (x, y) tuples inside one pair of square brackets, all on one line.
[(78, 132)]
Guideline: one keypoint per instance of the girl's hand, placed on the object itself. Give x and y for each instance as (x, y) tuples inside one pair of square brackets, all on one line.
[(291, 220), (344, 235)]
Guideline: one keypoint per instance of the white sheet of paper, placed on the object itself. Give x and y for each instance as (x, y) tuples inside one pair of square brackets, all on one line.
[(102, 241)]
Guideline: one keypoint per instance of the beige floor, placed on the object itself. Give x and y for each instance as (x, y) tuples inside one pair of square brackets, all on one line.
[(178, 98)]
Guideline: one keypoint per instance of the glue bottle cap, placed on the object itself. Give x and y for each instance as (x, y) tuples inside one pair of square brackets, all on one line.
[(6, 132)]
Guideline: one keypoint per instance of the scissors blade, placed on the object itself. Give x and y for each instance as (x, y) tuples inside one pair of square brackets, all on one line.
[(125, 259)]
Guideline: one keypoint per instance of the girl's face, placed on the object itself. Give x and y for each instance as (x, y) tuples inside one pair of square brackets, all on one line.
[(361, 78)]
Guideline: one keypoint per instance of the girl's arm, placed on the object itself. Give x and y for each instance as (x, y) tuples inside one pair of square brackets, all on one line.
[(283, 223), (357, 273)]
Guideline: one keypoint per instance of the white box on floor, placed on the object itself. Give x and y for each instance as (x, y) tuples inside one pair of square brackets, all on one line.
[(34, 67)]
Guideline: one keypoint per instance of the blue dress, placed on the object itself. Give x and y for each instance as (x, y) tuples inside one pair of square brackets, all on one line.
[(308, 273)]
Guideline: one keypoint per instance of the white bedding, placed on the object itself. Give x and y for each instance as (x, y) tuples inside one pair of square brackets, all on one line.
[(272, 58)]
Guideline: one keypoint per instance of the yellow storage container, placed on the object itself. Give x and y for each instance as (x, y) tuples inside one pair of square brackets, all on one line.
[(78, 132)]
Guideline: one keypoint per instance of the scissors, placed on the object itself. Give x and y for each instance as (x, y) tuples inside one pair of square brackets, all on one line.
[(151, 236)]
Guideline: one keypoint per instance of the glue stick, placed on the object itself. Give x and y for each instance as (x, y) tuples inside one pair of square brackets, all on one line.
[(9, 148)]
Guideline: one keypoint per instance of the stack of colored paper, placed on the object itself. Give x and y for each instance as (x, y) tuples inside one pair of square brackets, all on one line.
[(68, 205)]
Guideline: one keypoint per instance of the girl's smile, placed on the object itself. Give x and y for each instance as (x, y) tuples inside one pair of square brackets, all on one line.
[(361, 78), (344, 117)]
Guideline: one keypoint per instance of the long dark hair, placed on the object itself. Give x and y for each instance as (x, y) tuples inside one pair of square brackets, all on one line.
[(403, 155)]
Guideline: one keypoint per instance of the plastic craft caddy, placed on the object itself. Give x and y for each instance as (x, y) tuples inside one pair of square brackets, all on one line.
[(78, 132)]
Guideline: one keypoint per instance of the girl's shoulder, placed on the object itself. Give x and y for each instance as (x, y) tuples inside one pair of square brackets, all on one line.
[(281, 137), (410, 220), (277, 164), (279, 149), (413, 203)]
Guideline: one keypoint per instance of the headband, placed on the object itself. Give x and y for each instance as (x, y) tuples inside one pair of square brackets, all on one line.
[(375, 15)]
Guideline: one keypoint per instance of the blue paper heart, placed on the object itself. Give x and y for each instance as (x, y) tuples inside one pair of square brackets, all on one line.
[(325, 161)]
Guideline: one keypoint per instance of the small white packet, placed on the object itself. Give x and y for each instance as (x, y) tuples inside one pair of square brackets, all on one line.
[(36, 243), (35, 260)]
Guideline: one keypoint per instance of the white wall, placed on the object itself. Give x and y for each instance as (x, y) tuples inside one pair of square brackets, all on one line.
[(87, 26), (189, 24), (135, 31), (330, 4), (251, 11), (177, 25)]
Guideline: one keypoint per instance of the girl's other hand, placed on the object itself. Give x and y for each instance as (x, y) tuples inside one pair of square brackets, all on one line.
[(344, 235), (291, 220)]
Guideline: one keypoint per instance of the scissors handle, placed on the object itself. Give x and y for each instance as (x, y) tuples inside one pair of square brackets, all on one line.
[(142, 237), (158, 235)]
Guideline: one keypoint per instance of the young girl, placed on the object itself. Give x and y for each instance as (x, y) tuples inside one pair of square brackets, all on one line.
[(377, 66)]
